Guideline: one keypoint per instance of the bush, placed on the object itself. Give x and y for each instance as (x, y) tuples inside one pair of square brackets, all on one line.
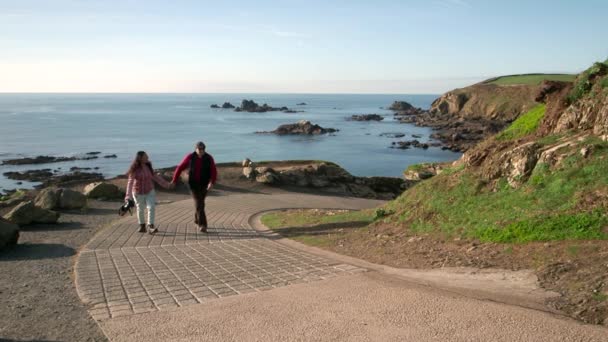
[(584, 83)]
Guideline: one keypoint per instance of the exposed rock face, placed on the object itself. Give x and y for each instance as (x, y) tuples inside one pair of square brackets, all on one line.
[(9, 234), (214, 106), (516, 160), (103, 190), (489, 101), (423, 171), (246, 162), (227, 105), (27, 213), (367, 117), (329, 178), (301, 127)]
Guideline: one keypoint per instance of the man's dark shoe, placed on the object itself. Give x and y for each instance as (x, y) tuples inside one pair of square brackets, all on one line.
[(142, 228), (203, 229)]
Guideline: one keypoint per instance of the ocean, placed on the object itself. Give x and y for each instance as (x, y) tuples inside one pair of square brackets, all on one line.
[(166, 126)]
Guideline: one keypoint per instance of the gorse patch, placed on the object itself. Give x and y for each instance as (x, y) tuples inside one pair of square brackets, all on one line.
[(524, 125)]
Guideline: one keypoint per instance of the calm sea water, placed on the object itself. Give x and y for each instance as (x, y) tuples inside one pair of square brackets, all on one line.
[(167, 125)]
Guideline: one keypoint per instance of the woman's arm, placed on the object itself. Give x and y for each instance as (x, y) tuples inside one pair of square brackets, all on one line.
[(161, 181), (129, 187)]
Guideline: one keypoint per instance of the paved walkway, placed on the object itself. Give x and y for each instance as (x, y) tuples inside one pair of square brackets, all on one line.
[(123, 272), (181, 285)]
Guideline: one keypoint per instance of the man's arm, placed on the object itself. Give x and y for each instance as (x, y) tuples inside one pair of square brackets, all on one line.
[(213, 174), (181, 167)]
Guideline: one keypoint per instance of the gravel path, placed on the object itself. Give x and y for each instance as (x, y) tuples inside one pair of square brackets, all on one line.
[(37, 293)]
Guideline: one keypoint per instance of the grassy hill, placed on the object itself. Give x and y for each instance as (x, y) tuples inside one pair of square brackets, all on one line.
[(530, 79)]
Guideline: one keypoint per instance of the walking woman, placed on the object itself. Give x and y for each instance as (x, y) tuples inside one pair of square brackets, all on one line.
[(140, 187)]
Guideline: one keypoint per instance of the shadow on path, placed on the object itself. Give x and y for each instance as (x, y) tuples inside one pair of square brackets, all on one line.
[(37, 251), (320, 229)]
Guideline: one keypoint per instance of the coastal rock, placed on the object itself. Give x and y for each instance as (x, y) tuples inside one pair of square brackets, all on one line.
[(13, 199), (367, 117), (301, 104), (267, 178), (401, 106), (302, 127), (70, 199), (30, 175), (110, 156), (252, 107), (214, 106), (392, 135), (48, 199), (404, 145), (37, 160), (103, 190), (246, 162), (9, 234), (227, 105), (329, 177), (27, 213)]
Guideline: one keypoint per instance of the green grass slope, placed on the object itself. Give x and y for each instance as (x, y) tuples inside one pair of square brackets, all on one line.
[(530, 79), (562, 204)]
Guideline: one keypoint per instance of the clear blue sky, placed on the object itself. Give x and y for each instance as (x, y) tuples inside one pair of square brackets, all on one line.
[(381, 46)]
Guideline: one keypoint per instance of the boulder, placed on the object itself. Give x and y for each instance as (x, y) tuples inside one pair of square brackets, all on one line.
[(9, 234), (227, 105), (48, 199), (214, 106), (27, 213), (103, 190), (267, 178), (70, 199), (246, 162)]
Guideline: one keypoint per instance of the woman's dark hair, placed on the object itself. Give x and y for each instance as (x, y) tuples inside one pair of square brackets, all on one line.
[(136, 164)]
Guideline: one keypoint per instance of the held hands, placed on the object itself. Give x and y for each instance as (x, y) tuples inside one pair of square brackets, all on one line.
[(209, 186)]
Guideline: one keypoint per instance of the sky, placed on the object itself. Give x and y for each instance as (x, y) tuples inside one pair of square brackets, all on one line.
[(291, 46)]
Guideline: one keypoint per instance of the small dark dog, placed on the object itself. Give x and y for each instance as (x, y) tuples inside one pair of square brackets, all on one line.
[(129, 204)]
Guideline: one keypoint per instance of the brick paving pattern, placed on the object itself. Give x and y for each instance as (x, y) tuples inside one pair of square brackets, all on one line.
[(123, 272)]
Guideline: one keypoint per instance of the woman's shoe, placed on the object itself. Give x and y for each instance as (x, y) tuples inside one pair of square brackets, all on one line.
[(151, 229), (142, 228)]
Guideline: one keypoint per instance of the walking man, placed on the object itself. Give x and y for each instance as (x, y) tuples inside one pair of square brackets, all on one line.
[(201, 178)]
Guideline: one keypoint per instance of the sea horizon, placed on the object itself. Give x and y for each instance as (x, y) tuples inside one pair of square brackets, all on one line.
[(71, 124)]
